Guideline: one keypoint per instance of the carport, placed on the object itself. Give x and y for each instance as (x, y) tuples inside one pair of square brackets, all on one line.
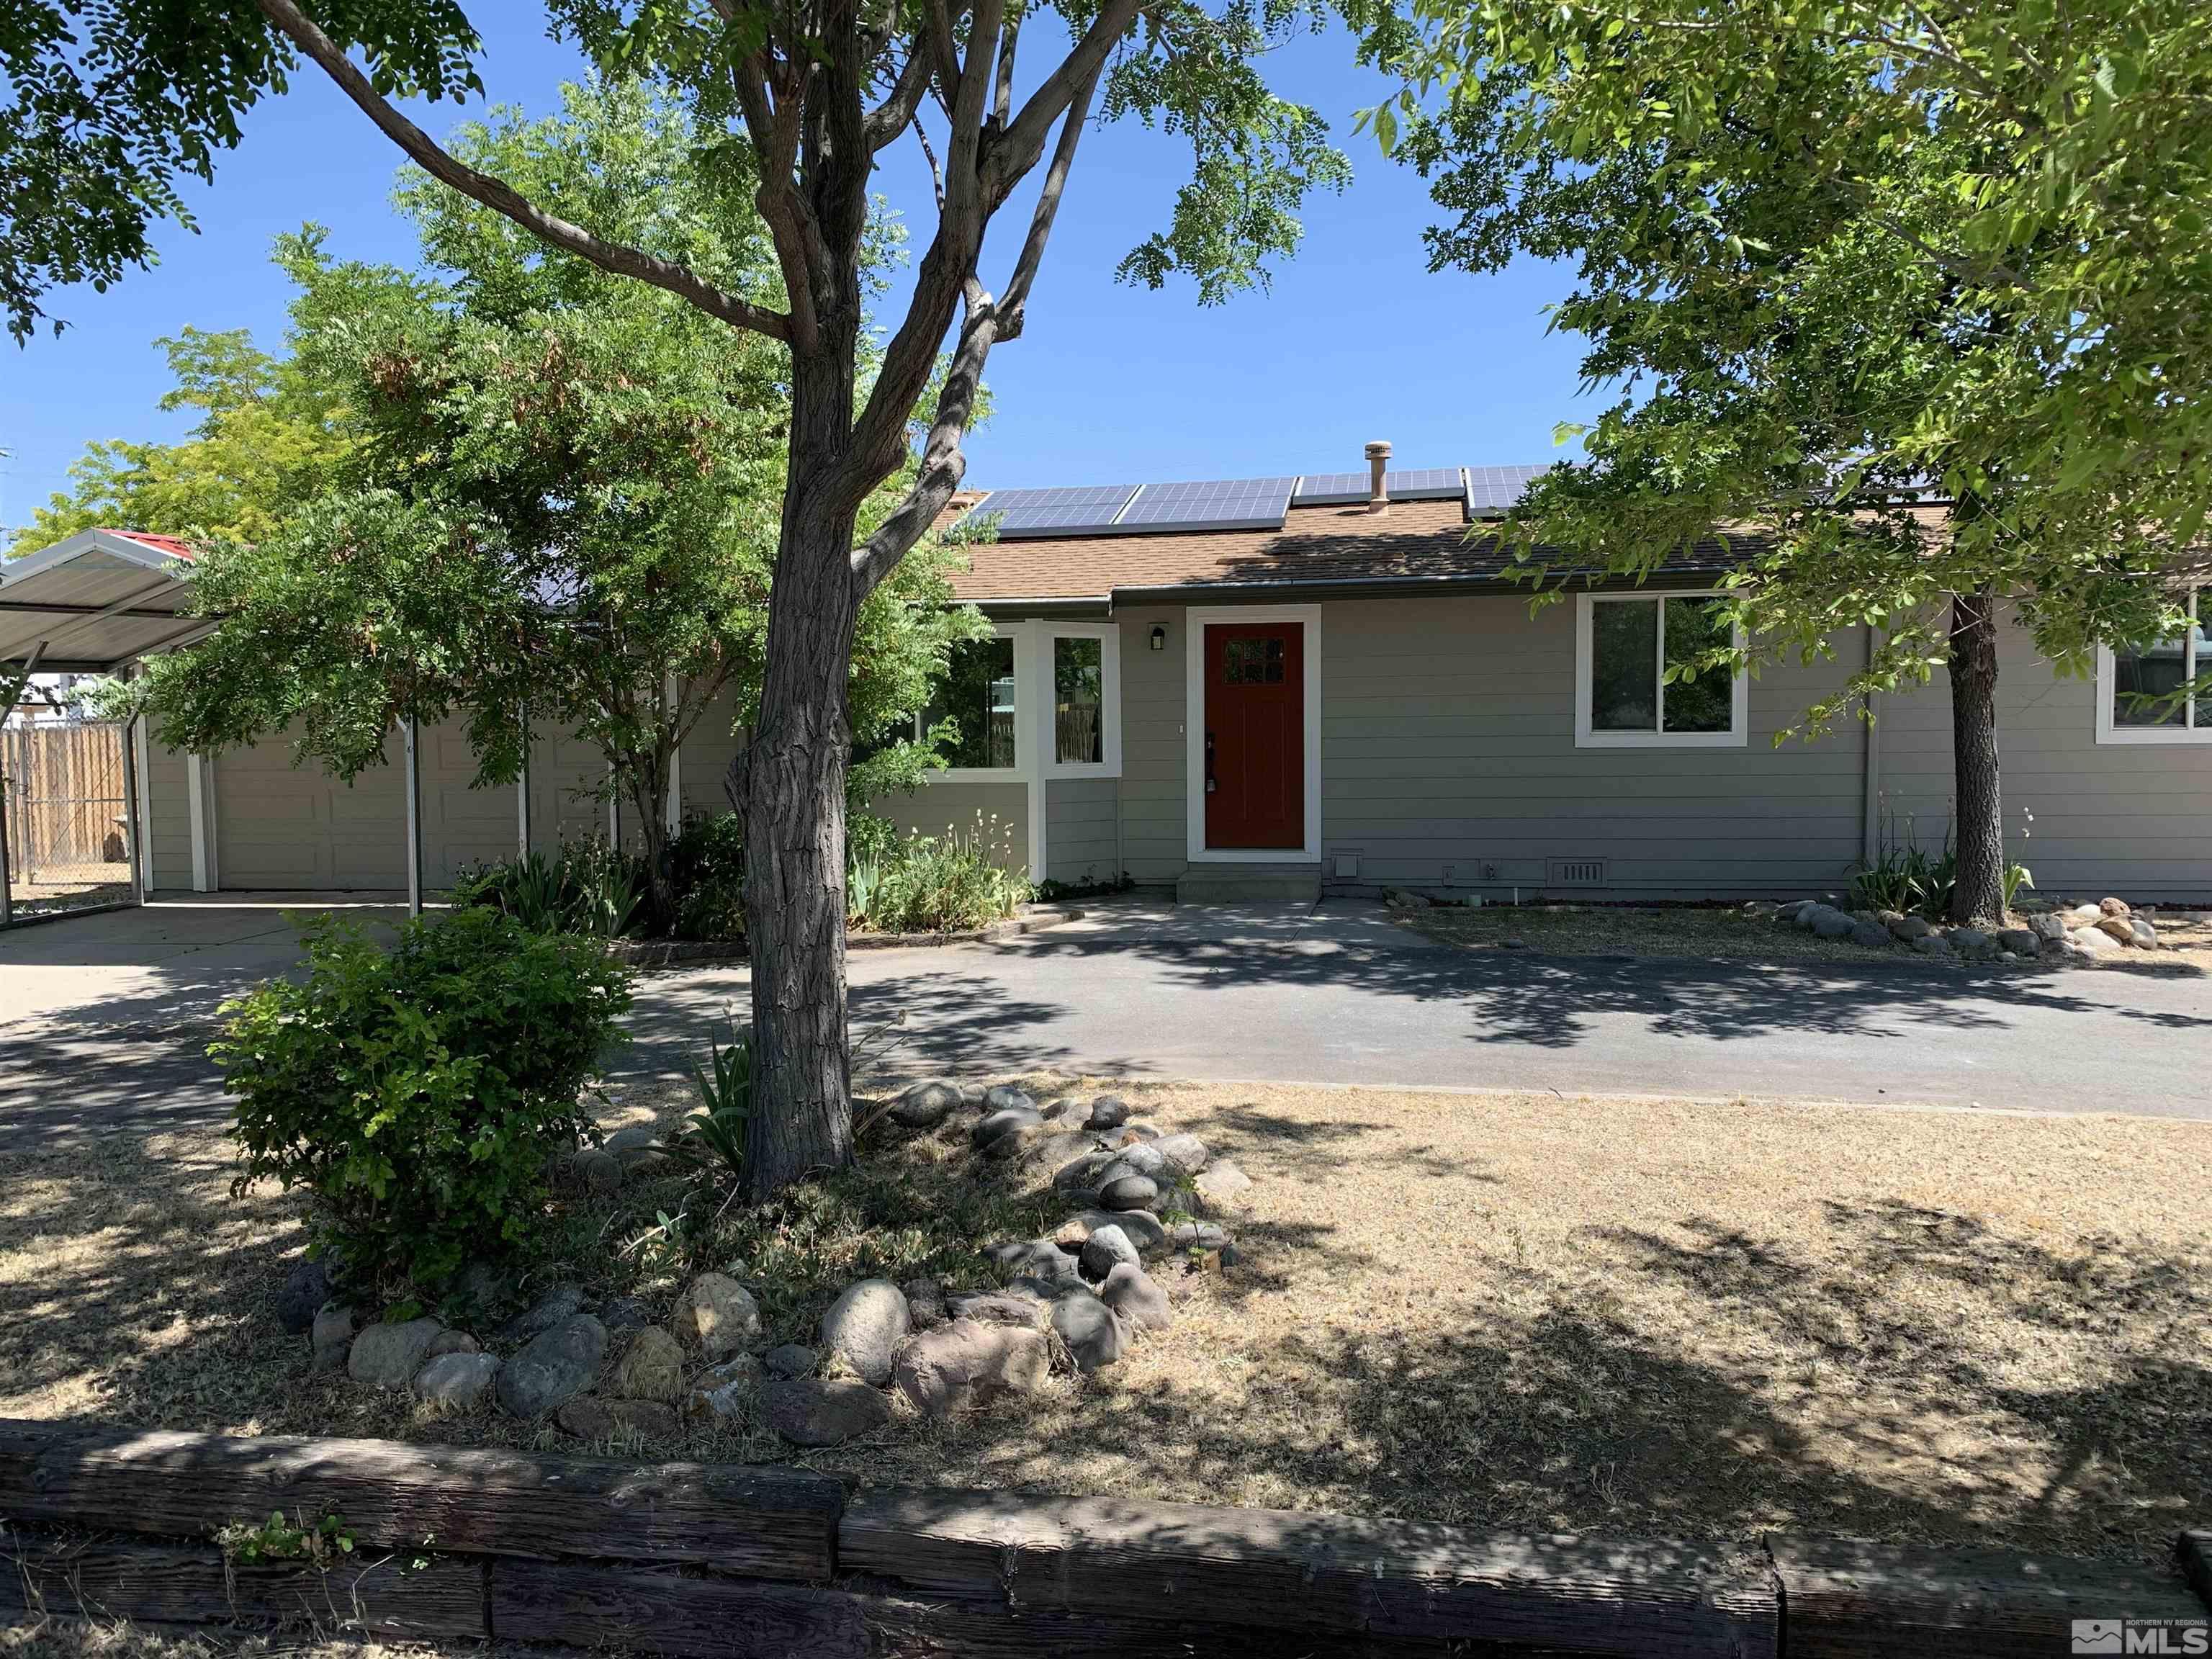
[(97, 603), (91, 604)]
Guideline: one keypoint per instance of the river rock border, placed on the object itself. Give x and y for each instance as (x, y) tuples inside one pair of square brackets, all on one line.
[(2066, 936)]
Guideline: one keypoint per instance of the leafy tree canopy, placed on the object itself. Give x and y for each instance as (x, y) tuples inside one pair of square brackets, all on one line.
[(1828, 254)]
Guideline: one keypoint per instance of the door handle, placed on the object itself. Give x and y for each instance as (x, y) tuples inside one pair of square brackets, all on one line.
[(1209, 763)]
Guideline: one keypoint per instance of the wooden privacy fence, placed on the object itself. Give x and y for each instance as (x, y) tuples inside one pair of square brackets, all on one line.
[(686, 1558), (68, 818)]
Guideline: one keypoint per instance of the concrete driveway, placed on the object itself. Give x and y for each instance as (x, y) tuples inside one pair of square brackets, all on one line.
[(103, 1019)]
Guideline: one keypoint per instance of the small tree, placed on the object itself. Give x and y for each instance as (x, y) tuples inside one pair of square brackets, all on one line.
[(809, 96), (1833, 256), (556, 501)]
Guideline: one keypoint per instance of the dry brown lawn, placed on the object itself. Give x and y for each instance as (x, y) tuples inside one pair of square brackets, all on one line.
[(1512, 1311)]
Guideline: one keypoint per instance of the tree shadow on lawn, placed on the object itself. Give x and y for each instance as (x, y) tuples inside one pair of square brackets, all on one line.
[(1805, 1403)]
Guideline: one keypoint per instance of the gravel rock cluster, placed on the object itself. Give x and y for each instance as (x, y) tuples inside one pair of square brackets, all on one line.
[(1076, 1299), (2067, 935)]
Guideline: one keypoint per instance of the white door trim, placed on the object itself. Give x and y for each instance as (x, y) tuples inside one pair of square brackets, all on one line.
[(1198, 621)]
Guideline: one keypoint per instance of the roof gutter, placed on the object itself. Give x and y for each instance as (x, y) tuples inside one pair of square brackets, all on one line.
[(1372, 587), (1101, 606)]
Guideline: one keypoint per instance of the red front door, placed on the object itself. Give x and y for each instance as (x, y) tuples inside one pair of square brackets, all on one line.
[(1255, 735)]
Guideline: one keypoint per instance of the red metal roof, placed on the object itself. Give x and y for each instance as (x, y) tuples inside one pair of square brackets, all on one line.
[(175, 546)]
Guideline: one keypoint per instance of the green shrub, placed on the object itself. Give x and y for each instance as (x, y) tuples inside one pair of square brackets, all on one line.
[(587, 887), (420, 1093), (933, 884), (707, 869)]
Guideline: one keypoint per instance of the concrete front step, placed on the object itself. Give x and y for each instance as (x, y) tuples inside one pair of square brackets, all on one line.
[(1250, 884)]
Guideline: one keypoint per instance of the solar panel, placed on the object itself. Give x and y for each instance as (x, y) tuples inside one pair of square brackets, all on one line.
[(1434, 483), (1217, 504), (1079, 510), (1494, 491)]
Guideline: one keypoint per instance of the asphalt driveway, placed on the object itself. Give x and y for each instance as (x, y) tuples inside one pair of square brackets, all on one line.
[(104, 1019)]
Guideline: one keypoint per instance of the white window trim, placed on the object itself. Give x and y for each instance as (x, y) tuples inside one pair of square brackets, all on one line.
[(1739, 733), (1109, 635), (2110, 731), (1199, 620)]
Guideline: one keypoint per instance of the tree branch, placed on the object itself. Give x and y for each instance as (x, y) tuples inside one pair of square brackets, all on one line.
[(1012, 304), (503, 199), (1022, 139), (889, 118)]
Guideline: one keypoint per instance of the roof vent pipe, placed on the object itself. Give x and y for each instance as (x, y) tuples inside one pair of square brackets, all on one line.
[(1378, 458)]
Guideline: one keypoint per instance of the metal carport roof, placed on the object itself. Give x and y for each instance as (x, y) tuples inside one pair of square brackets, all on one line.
[(94, 601)]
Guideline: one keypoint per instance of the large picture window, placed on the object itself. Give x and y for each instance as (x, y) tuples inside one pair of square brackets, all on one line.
[(978, 697), (1624, 649), (2136, 699)]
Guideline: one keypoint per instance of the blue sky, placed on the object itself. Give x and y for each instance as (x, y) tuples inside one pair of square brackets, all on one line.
[(1109, 384)]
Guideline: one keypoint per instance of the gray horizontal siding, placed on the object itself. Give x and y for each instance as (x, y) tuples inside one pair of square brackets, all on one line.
[(1080, 837), (941, 806), (2134, 819), (1449, 760), (169, 816), (1153, 790)]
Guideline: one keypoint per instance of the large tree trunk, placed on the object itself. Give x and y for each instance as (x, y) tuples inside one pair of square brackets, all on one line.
[(1980, 894), (794, 810)]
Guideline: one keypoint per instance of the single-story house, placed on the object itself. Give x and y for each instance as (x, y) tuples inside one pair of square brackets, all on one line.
[(1285, 686), (1315, 684)]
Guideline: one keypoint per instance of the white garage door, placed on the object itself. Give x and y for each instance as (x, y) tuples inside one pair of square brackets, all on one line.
[(282, 826)]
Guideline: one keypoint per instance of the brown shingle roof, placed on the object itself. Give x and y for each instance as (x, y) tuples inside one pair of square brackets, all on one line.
[(1415, 542)]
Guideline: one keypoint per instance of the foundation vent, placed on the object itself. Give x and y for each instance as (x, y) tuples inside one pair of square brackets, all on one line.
[(1574, 872)]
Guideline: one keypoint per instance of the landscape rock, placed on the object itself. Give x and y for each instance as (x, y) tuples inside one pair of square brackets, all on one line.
[(1970, 943), (597, 1171), (2113, 907), (1224, 1183), (925, 1303), (2049, 928), (558, 1305), (717, 1314), (926, 1105), (2120, 929), (1187, 1152), (1083, 1175), (968, 1363), (306, 1287), (1145, 1231), (863, 1325), (1829, 923), (1144, 1157), (789, 1359), (625, 1313), (1932, 945), (387, 1356), (1002, 1122), (447, 1342), (589, 1418), (652, 1368), (1129, 1192), (1093, 1331), (1107, 1112), (2093, 941), (1140, 1302), (2025, 940), (555, 1367), (1871, 934), (810, 1413), (1911, 928), (2146, 936), (1045, 1264), (453, 1383), (1001, 1096), (1105, 1250), (332, 1336), (2085, 913), (1197, 1235), (1004, 1308)]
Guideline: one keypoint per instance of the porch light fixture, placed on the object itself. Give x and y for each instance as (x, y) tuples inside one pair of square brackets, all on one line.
[(1159, 637)]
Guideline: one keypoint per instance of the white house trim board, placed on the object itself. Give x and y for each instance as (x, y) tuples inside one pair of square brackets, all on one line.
[(141, 829), (1195, 732), (2188, 729), (199, 801)]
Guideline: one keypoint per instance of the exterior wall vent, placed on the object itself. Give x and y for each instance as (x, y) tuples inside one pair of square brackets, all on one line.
[(1574, 872)]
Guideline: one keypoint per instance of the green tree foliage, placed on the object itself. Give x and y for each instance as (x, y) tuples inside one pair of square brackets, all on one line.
[(107, 103), (265, 439), (558, 497), (1827, 254)]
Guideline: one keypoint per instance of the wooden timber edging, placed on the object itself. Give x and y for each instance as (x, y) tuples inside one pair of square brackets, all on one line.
[(687, 1559), (698, 953)]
